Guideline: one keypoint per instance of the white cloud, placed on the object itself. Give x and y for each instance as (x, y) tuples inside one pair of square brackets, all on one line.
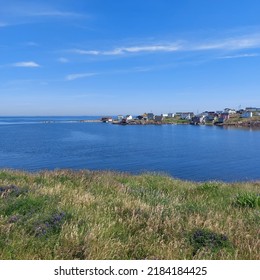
[(249, 41), (72, 77), (28, 64), (240, 55), (134, 49), (240, 43), (33, 11)]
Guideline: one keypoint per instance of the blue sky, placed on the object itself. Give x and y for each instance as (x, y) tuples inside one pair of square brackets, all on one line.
[(98, 57)]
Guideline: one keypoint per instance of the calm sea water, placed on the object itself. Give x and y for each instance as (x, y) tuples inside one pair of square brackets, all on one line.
[(183, 151)]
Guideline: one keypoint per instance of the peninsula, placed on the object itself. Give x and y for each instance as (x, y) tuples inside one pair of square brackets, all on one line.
[(248, 117)]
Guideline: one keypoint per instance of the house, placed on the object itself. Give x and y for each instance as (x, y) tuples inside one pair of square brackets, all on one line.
[(252, 109), (247, 114), (142, 117), (164, 115), (186, 116), (120, 117), (107, 119), (150, 116), (223, 117), (229, 111), (198, 119), (210, 113), (170, 115), (128, 117), (210, 118), (158, 118), (241, 111)]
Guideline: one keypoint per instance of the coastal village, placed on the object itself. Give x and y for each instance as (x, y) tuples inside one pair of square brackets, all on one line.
[(248, 117)]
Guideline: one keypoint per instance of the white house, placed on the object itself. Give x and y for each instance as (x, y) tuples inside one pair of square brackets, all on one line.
[(186, 116), (247, 114), (229, 111), (164, 115), (128, 117), (171, 115)]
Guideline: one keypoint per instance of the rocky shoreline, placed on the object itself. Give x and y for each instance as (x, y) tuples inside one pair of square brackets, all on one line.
[(250, 124)]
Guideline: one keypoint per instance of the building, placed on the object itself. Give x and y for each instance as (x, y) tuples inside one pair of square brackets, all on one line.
[(229, 111), (210, 118), (107, 119), (187, 116), (170, 115), (198, 119), (158, 118), (142, 117), (150, 116), (252, 109), (246, 114), (223, 117), (120, 117), (128, 117)]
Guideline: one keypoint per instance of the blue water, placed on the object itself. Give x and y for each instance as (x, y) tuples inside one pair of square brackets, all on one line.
[(183, 151)]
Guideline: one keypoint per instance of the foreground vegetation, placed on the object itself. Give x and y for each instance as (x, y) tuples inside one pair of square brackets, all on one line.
[(107, 215)]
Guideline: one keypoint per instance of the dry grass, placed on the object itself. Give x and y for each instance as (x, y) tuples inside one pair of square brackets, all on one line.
[(107, 215)]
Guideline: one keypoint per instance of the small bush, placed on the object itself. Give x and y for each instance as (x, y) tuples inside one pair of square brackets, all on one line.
[(51, 225), (12, 190), (208, 187), (247, 200), (200, 238)]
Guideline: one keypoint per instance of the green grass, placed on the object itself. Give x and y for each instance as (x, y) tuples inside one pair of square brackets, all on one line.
[(107, 215)]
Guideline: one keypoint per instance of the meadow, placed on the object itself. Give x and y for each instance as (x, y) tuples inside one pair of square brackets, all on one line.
[(102, 215)]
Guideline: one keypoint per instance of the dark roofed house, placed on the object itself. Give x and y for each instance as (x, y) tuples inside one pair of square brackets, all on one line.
[(158, 118), (223, 117)]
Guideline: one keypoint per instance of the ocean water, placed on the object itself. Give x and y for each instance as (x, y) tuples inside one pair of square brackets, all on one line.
[(183, 151)]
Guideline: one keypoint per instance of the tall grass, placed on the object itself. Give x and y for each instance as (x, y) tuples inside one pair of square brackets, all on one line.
[(106, 215)]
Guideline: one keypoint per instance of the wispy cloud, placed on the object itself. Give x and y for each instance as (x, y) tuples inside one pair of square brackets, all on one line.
[(133, 49), (239, 43), (244, 42), (245, 55), (72, 77), (34, 12), (26, 64), (51, 13)]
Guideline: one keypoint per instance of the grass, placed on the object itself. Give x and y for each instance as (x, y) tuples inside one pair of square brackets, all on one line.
[(107, 215)]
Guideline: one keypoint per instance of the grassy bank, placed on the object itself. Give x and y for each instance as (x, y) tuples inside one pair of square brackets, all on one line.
[(106, 215)]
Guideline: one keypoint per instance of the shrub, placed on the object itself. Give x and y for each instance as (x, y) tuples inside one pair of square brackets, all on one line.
[(247, 200), (200, 238), (11, 190), (51, 225), (208, 187)]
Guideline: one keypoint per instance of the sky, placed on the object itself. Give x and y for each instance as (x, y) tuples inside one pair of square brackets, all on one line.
[(100, 57)]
